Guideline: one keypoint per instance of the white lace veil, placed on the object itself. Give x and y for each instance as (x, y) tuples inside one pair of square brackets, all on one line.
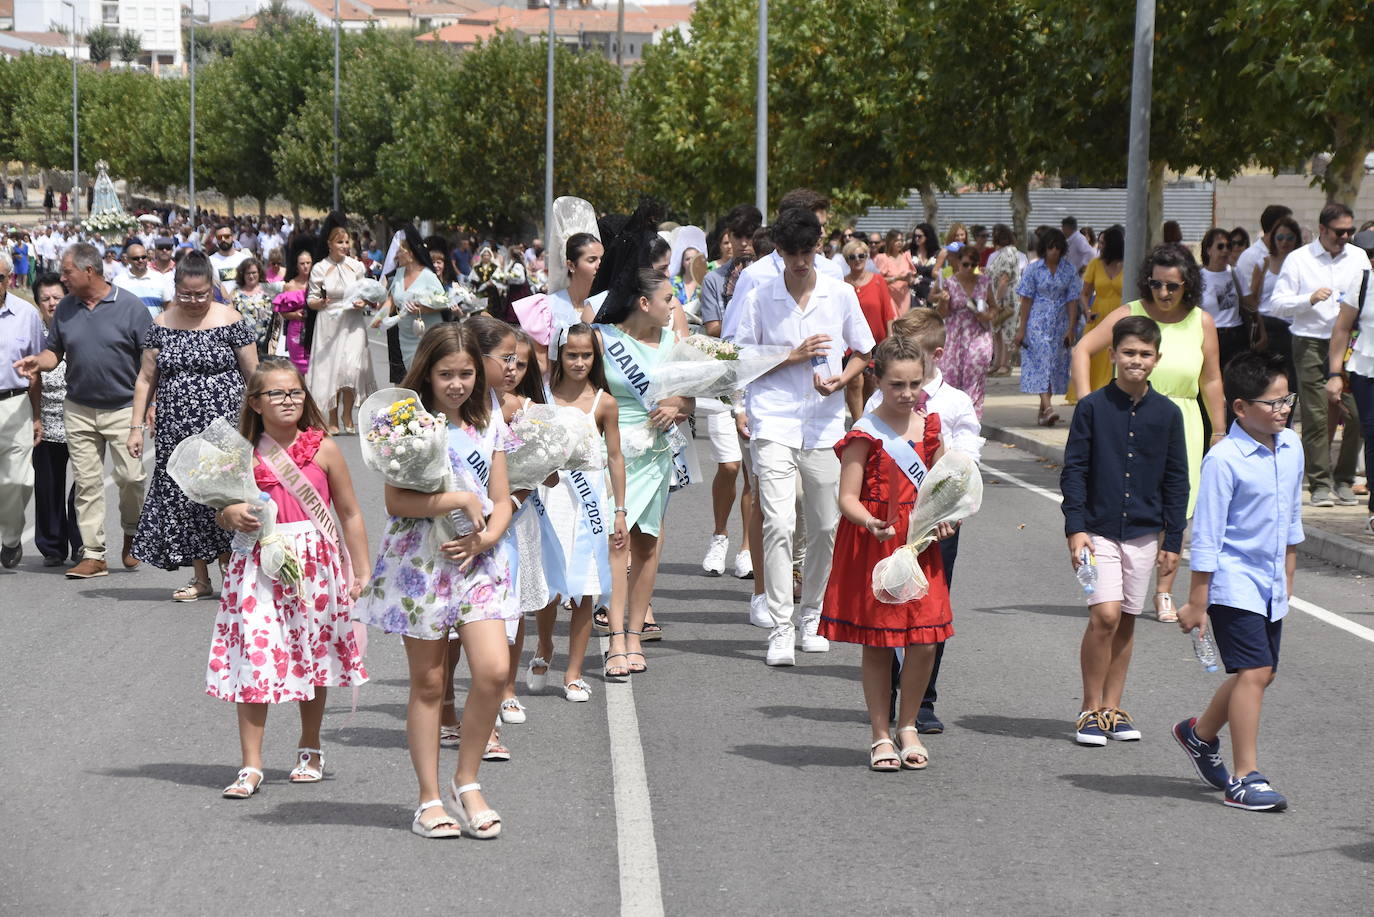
[(571, 215)]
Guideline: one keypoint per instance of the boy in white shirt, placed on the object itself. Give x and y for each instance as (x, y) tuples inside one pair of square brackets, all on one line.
[(796, 415)]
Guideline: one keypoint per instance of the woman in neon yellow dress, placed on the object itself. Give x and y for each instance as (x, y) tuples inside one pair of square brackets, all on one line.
[(1171, 293)]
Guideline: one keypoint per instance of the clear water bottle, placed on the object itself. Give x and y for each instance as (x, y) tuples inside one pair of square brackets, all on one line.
[(1204, 649), (461, 523), (243, 541), (1087, 571)]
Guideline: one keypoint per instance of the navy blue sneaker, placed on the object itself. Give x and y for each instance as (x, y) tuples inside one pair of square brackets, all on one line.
[(1088, 730), (1206, 756), (1253, 793), (1118, 725), (927, 723)]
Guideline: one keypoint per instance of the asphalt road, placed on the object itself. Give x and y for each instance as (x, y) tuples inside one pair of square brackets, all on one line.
[(755, 797)]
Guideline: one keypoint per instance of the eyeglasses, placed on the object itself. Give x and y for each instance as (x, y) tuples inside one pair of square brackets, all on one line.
[(1285, 237), (1170, 285), (508, 359), (1277, 405), (195, 297), (282, 395), (1340, 233), (855, 258)]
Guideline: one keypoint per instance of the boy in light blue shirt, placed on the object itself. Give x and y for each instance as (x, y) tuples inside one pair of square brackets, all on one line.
[(1246, 527)]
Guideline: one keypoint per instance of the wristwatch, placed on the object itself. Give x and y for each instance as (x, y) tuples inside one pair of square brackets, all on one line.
[(1332, 375)]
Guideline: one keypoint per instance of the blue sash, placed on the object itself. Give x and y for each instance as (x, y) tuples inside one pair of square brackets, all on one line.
[(550, 548), (591, 555), (620, 362), (900, 449)]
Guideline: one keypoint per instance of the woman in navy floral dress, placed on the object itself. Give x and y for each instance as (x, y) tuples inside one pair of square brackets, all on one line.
[(196, 356), (1047, 288)]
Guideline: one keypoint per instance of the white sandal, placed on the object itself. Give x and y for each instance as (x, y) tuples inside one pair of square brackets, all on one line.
[(915, 748), (537, 681), (450, 736), (303, 772), (875, 758), (577, 691), (191, 592), (1164, 608), (240, 784), (486, 817), (443, 826)]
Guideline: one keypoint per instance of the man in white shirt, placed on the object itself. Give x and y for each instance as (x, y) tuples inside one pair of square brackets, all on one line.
[(156, 290), (796, 415), (1254, 256), (1080, 252), (1315, 280), (226, 261)]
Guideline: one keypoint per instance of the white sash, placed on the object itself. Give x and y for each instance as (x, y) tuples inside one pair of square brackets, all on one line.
[(900, 449)]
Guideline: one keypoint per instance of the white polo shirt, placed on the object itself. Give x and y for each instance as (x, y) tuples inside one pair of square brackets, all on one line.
[(155, 289), (784, 406), (759, 273), (959, 427), (1250, 259), (1307, 270)]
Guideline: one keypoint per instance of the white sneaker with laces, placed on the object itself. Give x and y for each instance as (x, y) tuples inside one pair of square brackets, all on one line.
[(758, 611), (744, 565), (780, 646), (512, 712), (812, 642), (714, 564)]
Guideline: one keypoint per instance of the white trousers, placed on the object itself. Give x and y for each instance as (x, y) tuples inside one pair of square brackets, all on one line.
[(778, 468), (16, 466)]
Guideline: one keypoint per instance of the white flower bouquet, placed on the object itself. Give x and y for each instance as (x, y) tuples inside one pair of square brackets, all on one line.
[(372, 292), (541, 442), (463, 299), (215, 468), (408, 447), (701, 366), (951, 491)]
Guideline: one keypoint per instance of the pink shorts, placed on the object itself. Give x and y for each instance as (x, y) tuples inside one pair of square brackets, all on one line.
[(1124, 569)]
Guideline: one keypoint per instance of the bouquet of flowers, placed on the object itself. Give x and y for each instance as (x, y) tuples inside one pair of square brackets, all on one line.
[(462, 299), (215, 468), (372, 292), (951, 491), (701, 366), (542, 441), (408, 447), (435, 299)]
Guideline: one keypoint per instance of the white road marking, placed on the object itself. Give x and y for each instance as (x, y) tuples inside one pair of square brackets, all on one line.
[(1306, 607), (641, 894)]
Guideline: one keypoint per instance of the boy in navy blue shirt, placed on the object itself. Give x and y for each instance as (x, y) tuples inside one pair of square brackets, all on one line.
[(1125, 481), (1246, 527)]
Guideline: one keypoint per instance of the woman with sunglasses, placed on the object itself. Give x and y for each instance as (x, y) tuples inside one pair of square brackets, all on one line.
[(1221, 295), (1285, 237), (1237, 242), (197, 355), (875, 299), (1170, 287)]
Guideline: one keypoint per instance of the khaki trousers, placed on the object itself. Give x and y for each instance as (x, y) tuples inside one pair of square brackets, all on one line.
[(16, 466), (89, 432)]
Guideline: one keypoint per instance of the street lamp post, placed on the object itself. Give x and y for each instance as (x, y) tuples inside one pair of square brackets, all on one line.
[(76, 135), (336, 104), (1138, 154), (548, 135), (191, 179), (761, 117)]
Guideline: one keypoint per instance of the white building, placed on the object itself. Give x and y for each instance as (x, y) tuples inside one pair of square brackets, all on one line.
[(157, 22)]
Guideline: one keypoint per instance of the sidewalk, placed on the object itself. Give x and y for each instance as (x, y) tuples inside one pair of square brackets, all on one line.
[(1336, 535)]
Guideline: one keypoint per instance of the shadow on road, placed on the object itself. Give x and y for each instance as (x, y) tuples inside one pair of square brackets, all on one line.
[(1018, 727), (368, 737), (206, 775), (356, 814), (1149, 786), (148, 594), (818, 714), (801, 755), (1059, 611)]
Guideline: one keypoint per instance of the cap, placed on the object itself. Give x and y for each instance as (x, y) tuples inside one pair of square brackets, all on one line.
[(1364, 240)]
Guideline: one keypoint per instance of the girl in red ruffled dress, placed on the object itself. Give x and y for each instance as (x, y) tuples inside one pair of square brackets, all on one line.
[(876, 499), (275, 643)]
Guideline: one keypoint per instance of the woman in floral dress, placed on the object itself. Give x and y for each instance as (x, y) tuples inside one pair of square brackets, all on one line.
[(1047, 288), (963, 303), (196, 356), (254, 302), (1004, 273)]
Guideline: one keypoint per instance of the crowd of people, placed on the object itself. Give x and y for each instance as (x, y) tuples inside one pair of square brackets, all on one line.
[(884, 345)]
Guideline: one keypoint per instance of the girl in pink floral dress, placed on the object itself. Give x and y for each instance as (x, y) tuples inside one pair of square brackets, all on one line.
[(275, 642), (964, 304)]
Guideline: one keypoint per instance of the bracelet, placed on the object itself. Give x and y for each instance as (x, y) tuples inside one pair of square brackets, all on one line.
[(137, 426), (1330, 376), (621, 509)]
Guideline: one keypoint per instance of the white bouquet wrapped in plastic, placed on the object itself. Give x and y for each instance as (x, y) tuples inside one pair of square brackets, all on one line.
[(408, 447), (541, 442), (952, 491), (372, 292), (701, 366), (215, 468)]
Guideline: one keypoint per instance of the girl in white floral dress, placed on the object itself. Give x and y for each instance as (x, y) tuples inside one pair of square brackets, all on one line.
[(274, 643), (422, 595)]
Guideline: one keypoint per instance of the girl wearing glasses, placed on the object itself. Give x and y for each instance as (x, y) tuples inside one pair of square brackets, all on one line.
[(196, 355), (1170, 286)]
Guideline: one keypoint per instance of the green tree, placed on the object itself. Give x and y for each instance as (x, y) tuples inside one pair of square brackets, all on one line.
[(130, 46), (103, 42)]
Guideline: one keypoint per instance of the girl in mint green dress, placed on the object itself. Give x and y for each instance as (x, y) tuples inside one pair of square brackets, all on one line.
[(635, 340)]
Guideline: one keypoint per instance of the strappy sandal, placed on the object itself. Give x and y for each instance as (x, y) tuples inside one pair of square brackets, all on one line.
[(1164, 608), (652, 630), (915, 748), (470, 827), (875, 759), (1048, 418), (606, 658), (450, 736), (644, 667), (442, 826), (193, 591), (241, 788), (601, 619), (303, 772), (495, 751)]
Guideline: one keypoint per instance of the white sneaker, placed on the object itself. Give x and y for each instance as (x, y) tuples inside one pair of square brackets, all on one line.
[(714, 564), (811, 641), (780, 646), (512, 712), (744, 565), (758, 611)]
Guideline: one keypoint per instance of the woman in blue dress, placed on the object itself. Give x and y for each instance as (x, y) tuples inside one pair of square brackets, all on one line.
[(411, 290), (1047, 289)]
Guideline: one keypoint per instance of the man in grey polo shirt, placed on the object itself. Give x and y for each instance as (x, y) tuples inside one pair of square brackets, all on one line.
[(99, 329)]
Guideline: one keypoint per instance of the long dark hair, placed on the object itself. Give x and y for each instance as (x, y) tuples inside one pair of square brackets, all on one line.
[(194, 266), (930, 246), (623, 297), (530, 386), (444, 341), (250, 421), (416, 243), (439, 245), (597, 374), (1113, 241)]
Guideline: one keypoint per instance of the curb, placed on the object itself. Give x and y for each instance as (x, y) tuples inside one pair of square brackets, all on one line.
[(1326, 546)]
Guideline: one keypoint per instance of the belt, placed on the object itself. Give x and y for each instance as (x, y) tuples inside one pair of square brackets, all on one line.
[(11, 392)]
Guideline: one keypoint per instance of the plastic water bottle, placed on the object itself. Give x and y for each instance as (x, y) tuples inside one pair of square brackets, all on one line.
[(1087, 571), (243, 541), (461, 523), (1204, 649)]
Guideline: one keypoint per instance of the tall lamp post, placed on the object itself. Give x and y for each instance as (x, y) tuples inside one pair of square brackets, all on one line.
[(191, 179), (1138, 154), (76, 135), (548, 135), (336, 104), (761, 117)]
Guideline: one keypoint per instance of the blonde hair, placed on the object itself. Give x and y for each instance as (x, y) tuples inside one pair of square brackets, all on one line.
[(924, 326), (854, 247)]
